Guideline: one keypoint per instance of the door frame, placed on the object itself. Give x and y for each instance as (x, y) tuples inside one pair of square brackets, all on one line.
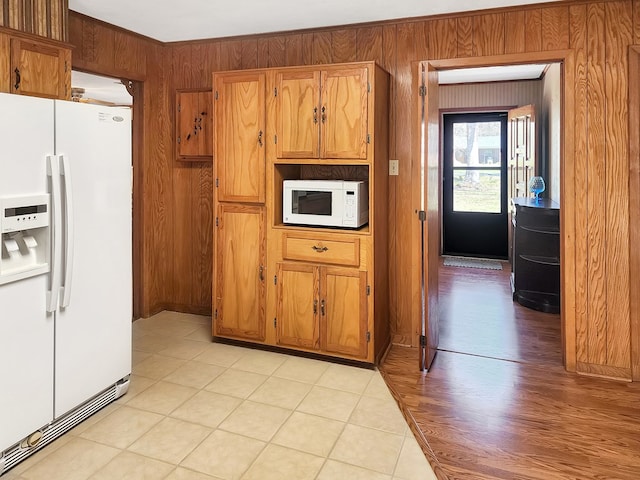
[(567, 187)]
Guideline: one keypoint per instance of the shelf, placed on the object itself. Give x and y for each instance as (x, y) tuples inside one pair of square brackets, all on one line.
[(364, 230), (551, 231), (553, 261)]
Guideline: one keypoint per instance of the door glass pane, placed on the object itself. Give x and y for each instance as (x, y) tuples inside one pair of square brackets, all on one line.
[(476, 190), (477, 158)]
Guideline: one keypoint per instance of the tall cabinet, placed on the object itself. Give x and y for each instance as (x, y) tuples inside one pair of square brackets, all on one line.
[(306, 288)]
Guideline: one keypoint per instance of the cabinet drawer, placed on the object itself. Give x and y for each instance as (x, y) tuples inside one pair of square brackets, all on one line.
[(320, 249)]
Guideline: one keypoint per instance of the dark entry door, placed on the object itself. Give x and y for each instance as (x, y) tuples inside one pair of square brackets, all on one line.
[(474, 214)]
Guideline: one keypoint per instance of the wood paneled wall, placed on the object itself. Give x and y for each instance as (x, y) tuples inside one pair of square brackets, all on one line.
[(177, 214), (46, 18)]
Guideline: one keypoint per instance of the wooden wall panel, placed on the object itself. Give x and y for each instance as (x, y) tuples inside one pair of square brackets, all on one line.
[(231, 55), (45, 18), (293, 50), (464, 36), (343, 45), (578, 41), (202, 219), (277, 57), (618, 35), (5, 62), (369, 44), (128, 54), (321, 48), (442, 38), (533, 30), (421, 40), (250, 53), (636, 22), (184, 239), (488, 34), (263, 52), (514, 32), (596, 187), (555, 34)]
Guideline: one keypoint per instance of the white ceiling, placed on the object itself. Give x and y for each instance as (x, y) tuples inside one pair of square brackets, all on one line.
[(103, 89), (491, 74), (176, 20)]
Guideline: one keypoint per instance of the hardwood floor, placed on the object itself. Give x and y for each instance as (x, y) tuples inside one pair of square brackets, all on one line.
[(497, 403)]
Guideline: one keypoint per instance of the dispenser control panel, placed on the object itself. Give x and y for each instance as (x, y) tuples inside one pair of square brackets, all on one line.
[(21, 217)]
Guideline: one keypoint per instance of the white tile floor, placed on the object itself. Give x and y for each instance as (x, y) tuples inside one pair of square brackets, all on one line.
[(199, 410)]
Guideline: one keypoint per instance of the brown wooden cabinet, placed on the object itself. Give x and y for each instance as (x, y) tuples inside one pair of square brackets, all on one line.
[(239, 280), (327, 289), (322, 308), (322, 113), (239, 102), (194, 125), (35, 67)]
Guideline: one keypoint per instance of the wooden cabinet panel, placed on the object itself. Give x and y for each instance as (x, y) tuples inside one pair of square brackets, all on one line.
[(240, 137), (343, 309), (297, 309), (322, 113), (344, 113), (239, 306), (298, 114), (321, 248), (194, 125), (39, 69)]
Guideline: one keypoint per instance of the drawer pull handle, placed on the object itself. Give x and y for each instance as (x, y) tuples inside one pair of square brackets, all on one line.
[(320, 249)]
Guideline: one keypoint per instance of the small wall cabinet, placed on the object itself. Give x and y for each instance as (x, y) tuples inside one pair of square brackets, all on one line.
[(194, 125), (34, 66), (535, 272)]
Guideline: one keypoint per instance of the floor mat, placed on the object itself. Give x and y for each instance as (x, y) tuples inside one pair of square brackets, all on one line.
[(472, 263)]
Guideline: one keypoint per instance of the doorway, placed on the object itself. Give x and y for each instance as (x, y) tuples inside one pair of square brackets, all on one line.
[(474, 200)]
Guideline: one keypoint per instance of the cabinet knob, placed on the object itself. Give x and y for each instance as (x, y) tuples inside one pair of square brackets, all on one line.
[(324, 114), (260, 138), (315, 114), (319, 248)]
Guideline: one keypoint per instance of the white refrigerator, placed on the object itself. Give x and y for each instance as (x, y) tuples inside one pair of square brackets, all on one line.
[(65, 269)]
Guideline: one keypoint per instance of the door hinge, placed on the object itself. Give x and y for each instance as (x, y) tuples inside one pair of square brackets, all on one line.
[(275, 139), (275, 279), (217, 183), (368, 337), (178, 140), (216, 221), (216, 95), (422, 215), (215, 315), (275, 92), (368, 138), (275, 322), (422, 91), (368, 289), (179, 107), (423, 341), (368, 87)]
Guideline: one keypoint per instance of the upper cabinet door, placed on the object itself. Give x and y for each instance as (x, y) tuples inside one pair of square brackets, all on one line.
[(343, 113), (40, 70), (298, 114), (240, 137), (194, 124)]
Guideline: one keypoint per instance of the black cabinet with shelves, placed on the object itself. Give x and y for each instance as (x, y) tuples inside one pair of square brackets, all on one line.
[(535, 267)]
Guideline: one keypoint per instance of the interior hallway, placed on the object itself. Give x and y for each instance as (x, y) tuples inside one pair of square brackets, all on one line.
[(198, 410), (497, 403)]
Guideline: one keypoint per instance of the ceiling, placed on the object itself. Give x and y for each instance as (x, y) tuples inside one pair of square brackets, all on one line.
[(171, 20)]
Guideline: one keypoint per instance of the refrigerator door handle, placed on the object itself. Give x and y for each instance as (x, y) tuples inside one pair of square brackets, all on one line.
[(53, 170), (65, 175)]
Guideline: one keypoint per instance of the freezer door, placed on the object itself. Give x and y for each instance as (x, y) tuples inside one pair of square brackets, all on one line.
[(26, 331), (93, 324)]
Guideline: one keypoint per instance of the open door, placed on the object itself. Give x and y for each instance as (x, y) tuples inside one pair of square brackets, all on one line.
[(429, 213)]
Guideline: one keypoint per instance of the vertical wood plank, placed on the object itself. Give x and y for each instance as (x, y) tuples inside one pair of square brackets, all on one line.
[(488, 34), (202, 219), (76, 38), (5, 62), (130, 53), (634, 217), (41, 18), (421, 42), (465, 36), (15, 14), (183, 235), (276, 51), (369, 44), (533, 30), (343, 45), (230, 55), (321, 48), (182, 66), (442, 38), (28, 24), (103, 45), (596, 187), (636, 22), (619, 33), (401, 262), (2, 19), (249, 54), (514, 32), (555, 31), (307, 48), (210, 58), (293, 50), (263, 52), (58, 14), (578, 41)]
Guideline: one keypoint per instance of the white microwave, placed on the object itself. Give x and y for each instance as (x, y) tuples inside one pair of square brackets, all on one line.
[(326, 203)]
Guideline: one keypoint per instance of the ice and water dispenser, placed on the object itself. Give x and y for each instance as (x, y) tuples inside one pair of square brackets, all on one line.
[(24, 224)]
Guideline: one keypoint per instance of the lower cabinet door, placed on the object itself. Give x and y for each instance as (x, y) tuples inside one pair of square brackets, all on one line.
[(297, 308), (343, 311), (239, 303)]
